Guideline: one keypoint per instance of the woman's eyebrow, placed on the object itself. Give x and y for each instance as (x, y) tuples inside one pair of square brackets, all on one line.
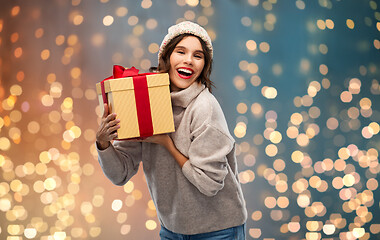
[(178, 46), (199, 51)]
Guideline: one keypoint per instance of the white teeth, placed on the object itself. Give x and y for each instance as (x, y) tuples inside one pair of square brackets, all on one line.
[(185, 70)]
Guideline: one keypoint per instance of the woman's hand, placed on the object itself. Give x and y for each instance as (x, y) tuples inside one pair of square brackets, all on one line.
[(107, 129)]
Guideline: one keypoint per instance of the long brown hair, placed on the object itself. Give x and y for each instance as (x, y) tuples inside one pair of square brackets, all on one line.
[(164, 61)]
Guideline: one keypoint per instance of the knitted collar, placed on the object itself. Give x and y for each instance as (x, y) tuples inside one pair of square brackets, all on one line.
[(184, 97)]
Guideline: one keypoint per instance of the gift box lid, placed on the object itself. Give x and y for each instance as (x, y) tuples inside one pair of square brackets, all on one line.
[(122, 84)]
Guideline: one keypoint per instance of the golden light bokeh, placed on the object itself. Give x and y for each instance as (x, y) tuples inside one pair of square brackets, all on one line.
[(304, 110)]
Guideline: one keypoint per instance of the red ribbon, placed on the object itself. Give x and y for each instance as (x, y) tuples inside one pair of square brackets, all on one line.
[(140, 84)]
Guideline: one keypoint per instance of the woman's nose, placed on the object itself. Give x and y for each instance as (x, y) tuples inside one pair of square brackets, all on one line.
[(188, 59)]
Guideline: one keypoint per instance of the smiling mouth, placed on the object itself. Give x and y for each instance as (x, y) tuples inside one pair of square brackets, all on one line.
[(185, 73)]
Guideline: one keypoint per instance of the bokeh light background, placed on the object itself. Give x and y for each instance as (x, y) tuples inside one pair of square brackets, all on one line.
[(298, 82)]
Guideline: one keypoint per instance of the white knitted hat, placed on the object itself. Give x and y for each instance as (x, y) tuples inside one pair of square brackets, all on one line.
[(185, 27)]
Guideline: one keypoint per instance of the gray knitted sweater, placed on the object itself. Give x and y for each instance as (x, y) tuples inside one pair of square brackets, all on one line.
[(205, 195)]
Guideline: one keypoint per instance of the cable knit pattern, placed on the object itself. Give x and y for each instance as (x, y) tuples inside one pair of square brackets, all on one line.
[(205, 195)]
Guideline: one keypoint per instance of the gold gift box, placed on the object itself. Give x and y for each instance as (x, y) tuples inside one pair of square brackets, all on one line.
[(121, 100)]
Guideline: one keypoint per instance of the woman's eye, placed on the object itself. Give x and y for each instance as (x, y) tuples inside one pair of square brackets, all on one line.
[(198, 56)]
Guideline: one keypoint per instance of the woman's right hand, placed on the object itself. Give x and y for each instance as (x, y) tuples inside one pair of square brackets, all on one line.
[(107, 129)]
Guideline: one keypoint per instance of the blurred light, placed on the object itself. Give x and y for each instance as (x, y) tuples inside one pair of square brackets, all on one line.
[(78, 19), (150, 224), (239, 83), (264, 47), (18, 52), (346, 96), (332, 123), (5, 144), (97, 40), (277, 69), (30, 233), (251, 45), (192, 3), (350, 24), (133, 20), (151, 23), (253, 2), (241, 108), (269, 92), (117, 205), (59, 235), (329, 24), (246, 21), (294, 227), (45, 54), (358, 232), (125, 229), (240, 130), (15, 11), (146, 4), (323, 69), (108, 20), (255, 232), (321, 24), (121, 11), (255, 80), (300, 4)]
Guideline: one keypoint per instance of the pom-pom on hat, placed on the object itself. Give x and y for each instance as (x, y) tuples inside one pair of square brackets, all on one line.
[(185, 27)]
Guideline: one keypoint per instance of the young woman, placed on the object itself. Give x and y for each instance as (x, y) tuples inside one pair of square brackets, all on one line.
[(192, 173)]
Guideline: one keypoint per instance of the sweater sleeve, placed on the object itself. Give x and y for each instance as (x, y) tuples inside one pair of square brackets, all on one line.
[(120, 161), (207, 165)]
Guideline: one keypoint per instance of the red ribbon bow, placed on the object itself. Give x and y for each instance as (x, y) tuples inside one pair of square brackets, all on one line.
[(141, 96), (120, 72)]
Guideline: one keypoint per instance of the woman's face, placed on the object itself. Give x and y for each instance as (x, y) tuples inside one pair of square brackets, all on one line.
[(186, 63)]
